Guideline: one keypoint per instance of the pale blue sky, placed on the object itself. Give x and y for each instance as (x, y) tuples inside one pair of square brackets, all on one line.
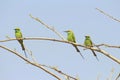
[(78, 15)]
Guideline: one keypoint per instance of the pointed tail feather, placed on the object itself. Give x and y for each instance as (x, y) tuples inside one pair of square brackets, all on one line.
[(22, 45), (78, 51), (81, 55), (25, 53), (94, 54), (23, 48)]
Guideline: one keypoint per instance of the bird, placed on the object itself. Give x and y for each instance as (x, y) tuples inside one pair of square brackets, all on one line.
[(88, 43), (71, 38), (18, 35)]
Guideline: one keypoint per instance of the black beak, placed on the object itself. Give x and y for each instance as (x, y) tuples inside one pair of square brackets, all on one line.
[(66, 31)]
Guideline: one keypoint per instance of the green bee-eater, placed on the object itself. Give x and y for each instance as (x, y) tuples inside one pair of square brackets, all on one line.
[(18, 36), (71, 38), (88, 43)]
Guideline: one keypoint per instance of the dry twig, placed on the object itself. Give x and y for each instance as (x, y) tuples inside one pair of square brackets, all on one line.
[(49, 27), (107, 45), (108, 15), (59, 71)]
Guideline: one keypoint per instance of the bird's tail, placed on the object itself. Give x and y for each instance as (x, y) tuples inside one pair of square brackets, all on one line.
[(94, 54), (25, 53), (78, 51), (76, 48), (22, 45), (23, 48)]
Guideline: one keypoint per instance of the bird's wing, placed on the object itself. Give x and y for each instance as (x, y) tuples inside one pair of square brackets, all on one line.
[(91, 43), (85, 42), (21, 35), (73, 36)]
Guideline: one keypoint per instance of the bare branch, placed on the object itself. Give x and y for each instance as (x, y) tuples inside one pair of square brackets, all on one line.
[(63, 41), (108, 15), (49, 27), (59, 71), (107, 45), (32, 63), (43, 38), (108, 55)]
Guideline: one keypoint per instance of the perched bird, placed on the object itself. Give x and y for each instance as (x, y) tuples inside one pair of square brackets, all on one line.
[(88, 43), (18, 36), (71, 38)]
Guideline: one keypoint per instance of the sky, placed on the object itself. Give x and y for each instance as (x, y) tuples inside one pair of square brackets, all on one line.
[(77, 15)]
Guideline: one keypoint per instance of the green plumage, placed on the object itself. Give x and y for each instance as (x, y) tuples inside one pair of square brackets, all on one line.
[(88, 43), (18, 36), (71, 38)]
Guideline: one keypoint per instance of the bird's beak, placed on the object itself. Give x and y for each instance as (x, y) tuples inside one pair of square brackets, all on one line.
[(14, 29), (66, 31)]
